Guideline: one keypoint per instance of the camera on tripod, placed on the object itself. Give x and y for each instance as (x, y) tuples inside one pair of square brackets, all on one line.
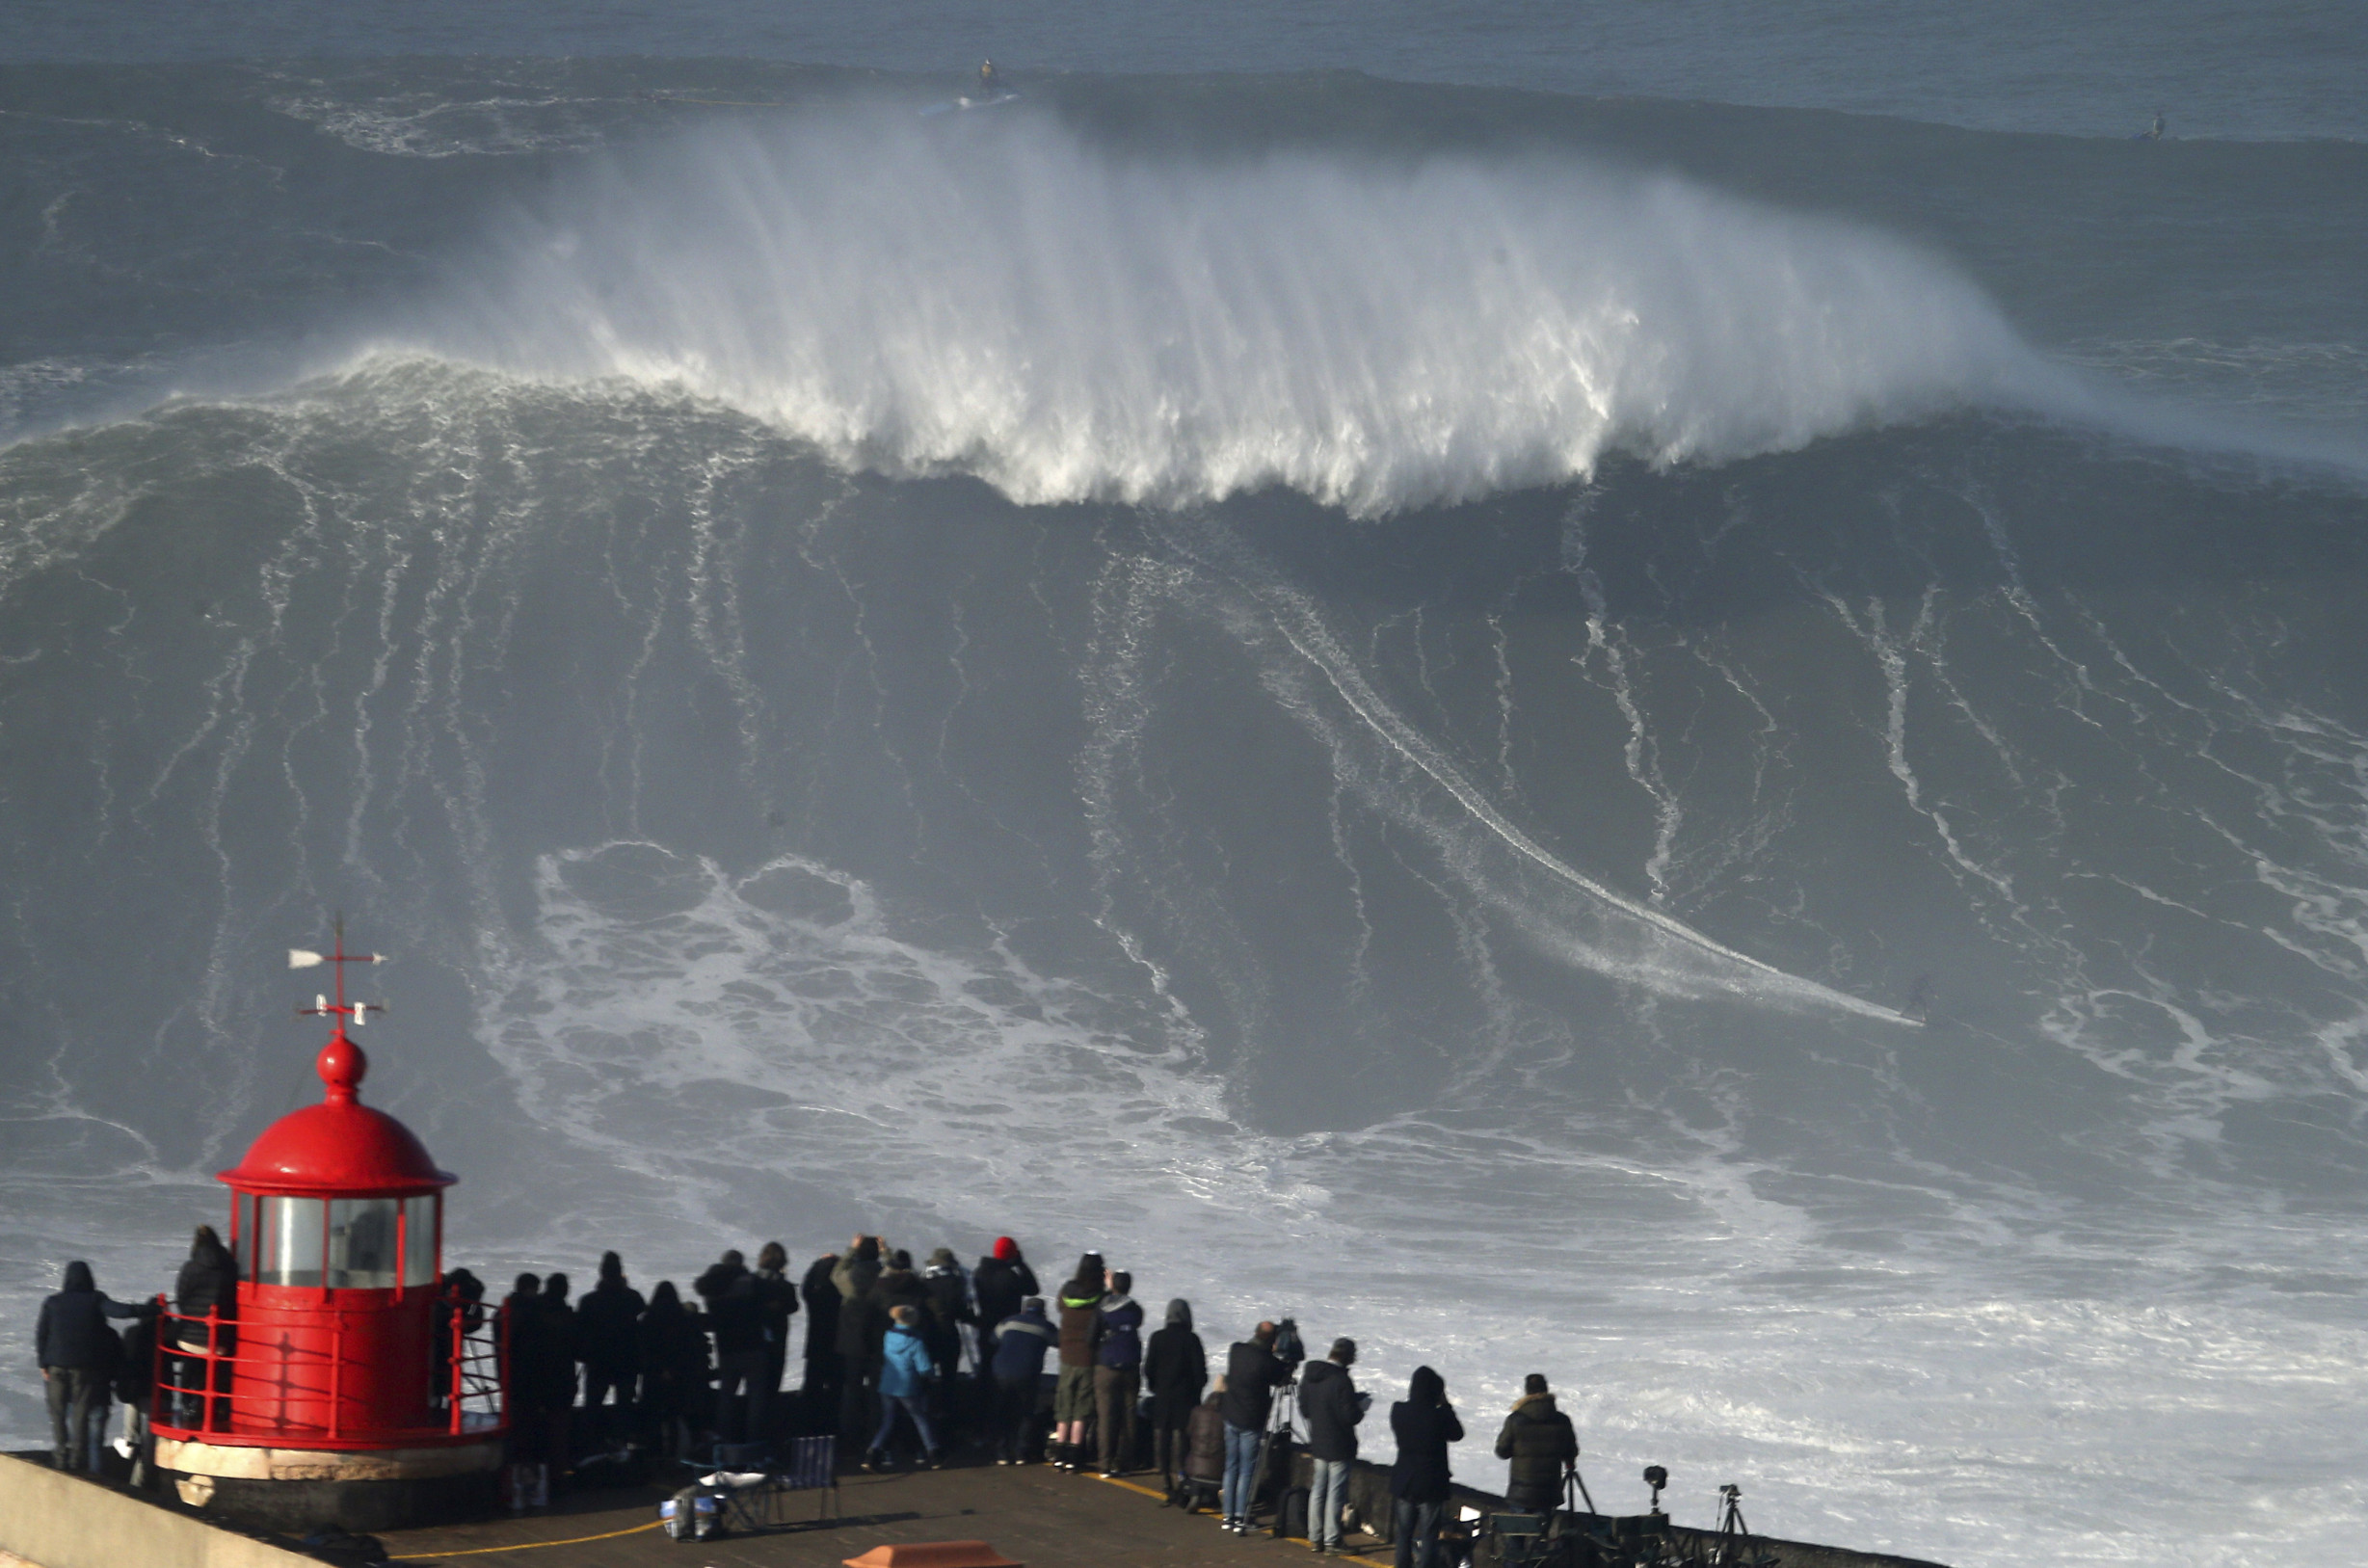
[(1287, 1341)]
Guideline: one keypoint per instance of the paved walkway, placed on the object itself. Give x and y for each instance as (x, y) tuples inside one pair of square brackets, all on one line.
[(1033, 1513)]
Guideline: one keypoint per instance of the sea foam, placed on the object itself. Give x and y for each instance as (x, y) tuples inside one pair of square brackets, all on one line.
[(1004, 297)]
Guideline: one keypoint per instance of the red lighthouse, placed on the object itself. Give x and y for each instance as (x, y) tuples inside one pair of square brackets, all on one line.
[(349, 1388)]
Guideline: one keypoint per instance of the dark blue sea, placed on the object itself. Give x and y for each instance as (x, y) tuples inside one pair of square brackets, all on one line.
[(1668, 692)]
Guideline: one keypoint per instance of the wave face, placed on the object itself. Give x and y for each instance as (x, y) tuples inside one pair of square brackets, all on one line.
[(1490, 927), (924, 296)]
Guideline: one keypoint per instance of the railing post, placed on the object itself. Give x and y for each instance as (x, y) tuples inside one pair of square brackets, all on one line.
[(457, 1350), (337, 1379), (156, 1357), (213, 1349)]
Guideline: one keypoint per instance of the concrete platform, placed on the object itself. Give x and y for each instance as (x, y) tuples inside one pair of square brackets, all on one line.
[(1032, 1514)]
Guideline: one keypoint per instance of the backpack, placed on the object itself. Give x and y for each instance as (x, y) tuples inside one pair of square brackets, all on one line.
[(690, 1515), (1291, 1519)]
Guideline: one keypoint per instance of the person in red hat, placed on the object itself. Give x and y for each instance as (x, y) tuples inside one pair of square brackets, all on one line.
[(1001, 1281)]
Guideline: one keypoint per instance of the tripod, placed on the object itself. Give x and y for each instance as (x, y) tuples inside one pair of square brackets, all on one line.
[(1276, 1438), (1734, 1542)]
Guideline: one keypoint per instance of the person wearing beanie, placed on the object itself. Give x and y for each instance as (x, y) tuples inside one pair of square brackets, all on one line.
[(607, 1341), (1000, 1282), (1073, 1400), (1332, 1406), (1118, 1368)]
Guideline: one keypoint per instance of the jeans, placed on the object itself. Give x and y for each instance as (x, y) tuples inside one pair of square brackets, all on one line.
[(76, 1395), (1015, 1416), (1114, 1391), (1418, 1533), (1240, 1462), (915, 1405), (1326, 1496)]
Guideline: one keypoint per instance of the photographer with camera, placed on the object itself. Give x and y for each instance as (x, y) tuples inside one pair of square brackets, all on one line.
[(1333, 1407), (1543, 1447), (1254, 1369)]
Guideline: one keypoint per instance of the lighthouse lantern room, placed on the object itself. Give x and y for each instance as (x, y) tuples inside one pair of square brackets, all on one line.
[(349, 1387)]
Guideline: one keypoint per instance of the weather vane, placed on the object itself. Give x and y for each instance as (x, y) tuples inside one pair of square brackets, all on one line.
[(304, 958)]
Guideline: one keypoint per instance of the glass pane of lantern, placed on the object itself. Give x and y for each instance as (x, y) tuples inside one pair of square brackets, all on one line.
[(291, 1252), (420, 1239), (248, 1212), (361, 1243)]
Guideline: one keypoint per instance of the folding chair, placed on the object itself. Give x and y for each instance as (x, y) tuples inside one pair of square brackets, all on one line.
[(754, 1500), (1520, 1538)]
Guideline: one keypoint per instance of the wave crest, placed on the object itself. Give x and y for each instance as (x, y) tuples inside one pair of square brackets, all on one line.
[(1067, 323)]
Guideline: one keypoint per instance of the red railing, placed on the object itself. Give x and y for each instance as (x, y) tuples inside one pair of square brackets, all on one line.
[(473, 1395)]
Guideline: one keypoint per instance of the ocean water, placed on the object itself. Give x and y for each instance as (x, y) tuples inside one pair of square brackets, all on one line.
[(1673, 697)]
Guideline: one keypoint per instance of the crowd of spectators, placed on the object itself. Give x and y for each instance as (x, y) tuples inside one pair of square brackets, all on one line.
[(897, 1360)]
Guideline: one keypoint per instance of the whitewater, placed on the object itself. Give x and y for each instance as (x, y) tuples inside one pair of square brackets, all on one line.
[(1718, 751)]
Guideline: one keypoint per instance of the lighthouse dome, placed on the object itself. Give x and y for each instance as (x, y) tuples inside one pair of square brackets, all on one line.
[(339, 1147)]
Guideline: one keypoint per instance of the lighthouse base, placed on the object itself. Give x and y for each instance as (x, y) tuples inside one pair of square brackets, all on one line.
[(301, 1489)]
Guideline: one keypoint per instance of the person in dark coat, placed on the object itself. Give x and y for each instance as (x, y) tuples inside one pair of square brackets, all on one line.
[(1000, 1282), (555, 1373), (1253, 1371), (521, 1313), (672, 1351), (1073, 1398), (135, 1387), (1332, 1406), (823, 1373), (777, 1299), (1022, 1342), (946, 1306), (735, 1316), (862, 1326), (207, 1284), (79, 1354), (1176, 1370), (1423, 1424), (609, 1342), (900, 1286), (460, 1312), (1543, 1447)]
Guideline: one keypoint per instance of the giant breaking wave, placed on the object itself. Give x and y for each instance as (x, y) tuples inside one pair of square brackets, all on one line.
[(1072, 323)]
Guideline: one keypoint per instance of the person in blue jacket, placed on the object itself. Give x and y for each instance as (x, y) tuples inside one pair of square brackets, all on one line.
[(905, 1372), (1021, 1342)]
